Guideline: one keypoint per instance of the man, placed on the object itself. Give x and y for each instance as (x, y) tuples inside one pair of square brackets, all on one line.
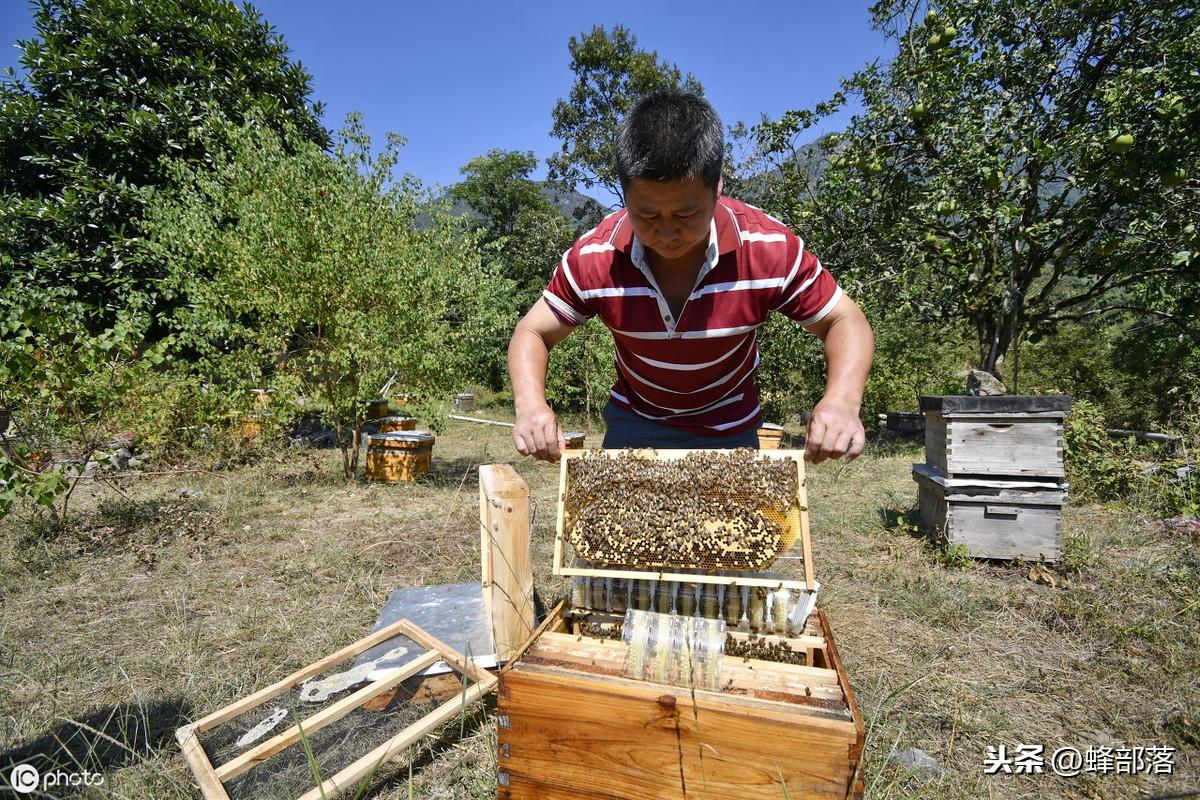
[(683, 277)]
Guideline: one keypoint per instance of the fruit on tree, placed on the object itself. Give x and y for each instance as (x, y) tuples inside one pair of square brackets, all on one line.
[(1120, 143)]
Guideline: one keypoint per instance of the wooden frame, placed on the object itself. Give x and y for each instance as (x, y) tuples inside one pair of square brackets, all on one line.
[(212, 778), (506, 572), (800, 520)]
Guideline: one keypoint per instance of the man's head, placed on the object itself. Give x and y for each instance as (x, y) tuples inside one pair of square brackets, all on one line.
[(670, 150), (669, 135)]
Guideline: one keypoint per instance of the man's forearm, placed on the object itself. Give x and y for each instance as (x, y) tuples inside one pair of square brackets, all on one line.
[(849, 349), (528, 357)]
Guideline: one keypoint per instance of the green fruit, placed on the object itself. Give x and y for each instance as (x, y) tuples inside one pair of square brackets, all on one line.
[(918, 111), (948, 33), (931, 241), (1121, 143), (1174, 177), (932, 17), (934, 42), (992, 180), (947, 207)]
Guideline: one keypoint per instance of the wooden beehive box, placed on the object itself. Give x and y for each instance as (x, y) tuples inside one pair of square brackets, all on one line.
[(993, 518), (571, 725), (1008, 435)]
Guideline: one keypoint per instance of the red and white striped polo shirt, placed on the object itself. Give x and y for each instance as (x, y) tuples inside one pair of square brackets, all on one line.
[(694, 372)]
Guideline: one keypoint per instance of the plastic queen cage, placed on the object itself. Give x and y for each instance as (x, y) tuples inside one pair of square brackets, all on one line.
[(703, 509)]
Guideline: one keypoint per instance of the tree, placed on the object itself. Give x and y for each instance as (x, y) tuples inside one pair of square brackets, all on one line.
[(1017, 165), (611, 73), (497, 186), (279, 245), (111, 88)]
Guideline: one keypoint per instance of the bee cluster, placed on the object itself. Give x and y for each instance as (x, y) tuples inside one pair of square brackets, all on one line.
[(709, 509), (746, 608), (764, 650)]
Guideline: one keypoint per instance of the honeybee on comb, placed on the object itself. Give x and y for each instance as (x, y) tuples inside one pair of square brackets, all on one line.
[(707, 509)]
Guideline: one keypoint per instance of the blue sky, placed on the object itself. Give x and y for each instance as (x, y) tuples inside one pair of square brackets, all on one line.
[(456, 79)]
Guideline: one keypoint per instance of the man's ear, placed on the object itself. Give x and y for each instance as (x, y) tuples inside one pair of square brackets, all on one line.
[(720, 185)]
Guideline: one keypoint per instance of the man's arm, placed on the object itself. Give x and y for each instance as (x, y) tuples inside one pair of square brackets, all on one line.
[(537, 432), (835, 429)]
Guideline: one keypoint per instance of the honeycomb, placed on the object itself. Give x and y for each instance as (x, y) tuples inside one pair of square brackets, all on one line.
[(708, 509)]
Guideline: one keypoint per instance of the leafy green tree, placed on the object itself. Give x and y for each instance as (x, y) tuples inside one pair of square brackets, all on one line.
[(497, 186), (110, 88), (611, 73), (1017, 165), (63, 391), (279, 245)]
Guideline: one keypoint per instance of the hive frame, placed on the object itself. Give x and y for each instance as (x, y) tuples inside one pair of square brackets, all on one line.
[(211, 778), (744, 579)]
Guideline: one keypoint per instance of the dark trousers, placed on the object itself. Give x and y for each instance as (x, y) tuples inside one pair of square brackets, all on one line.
[(626, 429)]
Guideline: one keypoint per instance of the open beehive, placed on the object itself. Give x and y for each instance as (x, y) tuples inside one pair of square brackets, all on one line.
[(761, 708)]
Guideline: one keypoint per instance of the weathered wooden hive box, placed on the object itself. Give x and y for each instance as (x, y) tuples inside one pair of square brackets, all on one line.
[(993, 478), (780, 722)]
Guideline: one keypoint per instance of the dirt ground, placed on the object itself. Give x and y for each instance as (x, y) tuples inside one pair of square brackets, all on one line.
[(170, 596)]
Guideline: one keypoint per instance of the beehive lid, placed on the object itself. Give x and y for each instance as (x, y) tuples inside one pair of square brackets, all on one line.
[(997, 404)]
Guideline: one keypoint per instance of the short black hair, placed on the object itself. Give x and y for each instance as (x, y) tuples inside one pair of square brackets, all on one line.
[(671, 134)]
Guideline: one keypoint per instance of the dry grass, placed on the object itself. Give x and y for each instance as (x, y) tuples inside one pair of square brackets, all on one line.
[(154, 609)]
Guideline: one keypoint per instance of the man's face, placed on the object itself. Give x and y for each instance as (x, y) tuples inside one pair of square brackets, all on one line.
[(671, 218)]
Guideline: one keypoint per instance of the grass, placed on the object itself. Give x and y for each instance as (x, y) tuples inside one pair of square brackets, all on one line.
[(154, 608)]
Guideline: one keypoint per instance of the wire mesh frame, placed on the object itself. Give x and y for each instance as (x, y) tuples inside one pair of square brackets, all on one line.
[(212, 778), (800, 509)]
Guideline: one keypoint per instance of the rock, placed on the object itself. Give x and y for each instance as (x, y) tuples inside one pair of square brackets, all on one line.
[(917, 761), (190, 492), (983, 384), (134, 463), (1185, 472), (119, 458)]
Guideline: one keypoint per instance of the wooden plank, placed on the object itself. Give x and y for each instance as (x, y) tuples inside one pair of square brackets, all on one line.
[(508, 574), (740, 579), (210, 785), (607, 657), (452, 657), (552, 622), (256, 755), (299, 676), (373, 761), (805, 537)]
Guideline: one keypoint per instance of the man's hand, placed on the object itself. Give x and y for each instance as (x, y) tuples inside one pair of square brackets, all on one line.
[(834, 431), (538, 434)]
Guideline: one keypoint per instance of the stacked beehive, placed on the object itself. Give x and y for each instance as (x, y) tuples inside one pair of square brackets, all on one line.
[(993, 478)]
